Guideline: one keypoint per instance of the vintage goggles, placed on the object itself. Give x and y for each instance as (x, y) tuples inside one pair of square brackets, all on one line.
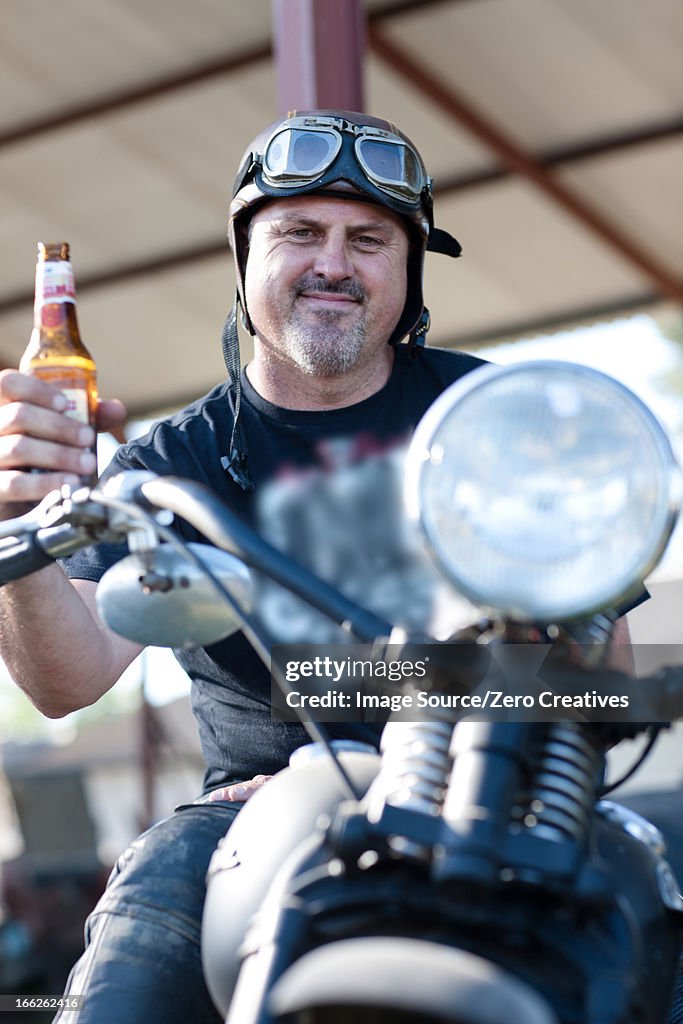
[(306, 153)]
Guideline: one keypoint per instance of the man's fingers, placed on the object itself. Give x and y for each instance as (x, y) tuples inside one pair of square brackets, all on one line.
[(22, 387), (35, 434), (111, 414), (30, 488), (19, 450), (30, 391), (239, 792), (23, 419)]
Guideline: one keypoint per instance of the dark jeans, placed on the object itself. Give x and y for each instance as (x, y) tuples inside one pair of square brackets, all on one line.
[(677, 1008), (142, 961)]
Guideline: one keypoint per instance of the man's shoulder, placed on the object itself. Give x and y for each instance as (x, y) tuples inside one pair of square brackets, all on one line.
[(178, 442), (433, 369), (449, 363), (203, 411), (200, 415)]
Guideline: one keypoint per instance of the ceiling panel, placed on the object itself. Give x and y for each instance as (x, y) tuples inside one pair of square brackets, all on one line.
[(641, 190), (156, 340), (520, 254), (141, 190), (447, 148), (53, 56), (135, 183), (550, 72)]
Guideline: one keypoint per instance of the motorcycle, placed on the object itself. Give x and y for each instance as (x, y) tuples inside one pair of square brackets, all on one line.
[(471, 871)]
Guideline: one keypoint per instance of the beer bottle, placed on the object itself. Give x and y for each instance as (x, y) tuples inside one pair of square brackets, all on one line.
[(55, 351)]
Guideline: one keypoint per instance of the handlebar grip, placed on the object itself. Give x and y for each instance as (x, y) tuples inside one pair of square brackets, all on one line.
[(21, 556)]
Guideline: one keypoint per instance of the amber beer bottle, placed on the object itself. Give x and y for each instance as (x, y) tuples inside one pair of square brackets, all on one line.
[(55, 351)]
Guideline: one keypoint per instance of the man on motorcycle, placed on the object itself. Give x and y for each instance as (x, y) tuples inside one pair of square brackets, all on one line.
[(330, 219)]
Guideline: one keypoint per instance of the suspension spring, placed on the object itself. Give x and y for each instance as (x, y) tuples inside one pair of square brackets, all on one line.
[(565, 779), (415, 765)]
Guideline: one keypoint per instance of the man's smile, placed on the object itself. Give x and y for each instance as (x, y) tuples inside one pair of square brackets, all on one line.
[(328, 300)]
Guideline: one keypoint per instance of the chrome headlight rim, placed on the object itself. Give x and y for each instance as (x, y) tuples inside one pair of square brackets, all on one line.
[(424, 448)]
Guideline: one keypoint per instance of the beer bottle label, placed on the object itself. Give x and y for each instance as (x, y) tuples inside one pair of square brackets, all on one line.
[(76, 404), (54, 283)]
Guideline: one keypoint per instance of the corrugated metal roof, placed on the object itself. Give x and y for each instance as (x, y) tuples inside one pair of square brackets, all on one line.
[(123, 123)]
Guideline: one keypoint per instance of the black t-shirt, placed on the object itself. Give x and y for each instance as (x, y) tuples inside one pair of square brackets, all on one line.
[(327, 491)]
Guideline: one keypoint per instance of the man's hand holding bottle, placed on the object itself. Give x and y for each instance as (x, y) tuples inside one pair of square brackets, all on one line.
[(50, 410)]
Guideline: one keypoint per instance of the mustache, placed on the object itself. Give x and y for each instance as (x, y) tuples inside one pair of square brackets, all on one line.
[(351, 288)]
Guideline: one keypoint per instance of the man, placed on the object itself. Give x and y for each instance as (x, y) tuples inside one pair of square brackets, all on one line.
[(330, 220)]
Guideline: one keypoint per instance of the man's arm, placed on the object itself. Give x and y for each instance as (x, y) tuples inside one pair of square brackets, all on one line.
[(51, 638), (55, 646)]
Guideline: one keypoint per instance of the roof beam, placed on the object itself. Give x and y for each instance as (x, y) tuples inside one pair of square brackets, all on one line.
[(518, 161), (552, 323), (21, 301), (128, 272), (218, 247), (194, 75), (563, 155), (126, 98)]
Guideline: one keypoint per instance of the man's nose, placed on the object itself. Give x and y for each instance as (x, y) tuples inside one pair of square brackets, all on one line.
[(333, 259)]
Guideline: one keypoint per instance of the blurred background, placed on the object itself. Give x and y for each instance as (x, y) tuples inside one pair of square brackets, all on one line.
[(554, 132)]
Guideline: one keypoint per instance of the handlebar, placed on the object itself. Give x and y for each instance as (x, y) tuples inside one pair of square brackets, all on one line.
[(37, 538), (66, 521), (85, 517)]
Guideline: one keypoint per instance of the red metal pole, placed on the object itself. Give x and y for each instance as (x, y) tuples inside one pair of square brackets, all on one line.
[(319, 50)]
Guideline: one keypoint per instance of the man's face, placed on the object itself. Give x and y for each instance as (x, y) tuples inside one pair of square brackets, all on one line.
[(325, 281)]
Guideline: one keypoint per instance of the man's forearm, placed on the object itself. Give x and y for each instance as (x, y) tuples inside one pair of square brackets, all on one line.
[(54, 646)]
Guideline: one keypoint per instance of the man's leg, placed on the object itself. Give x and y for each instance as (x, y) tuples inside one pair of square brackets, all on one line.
[(142, 961), (677, 1007)]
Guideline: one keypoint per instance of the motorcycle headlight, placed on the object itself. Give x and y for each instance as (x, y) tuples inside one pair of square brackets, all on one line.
[(545, 490)]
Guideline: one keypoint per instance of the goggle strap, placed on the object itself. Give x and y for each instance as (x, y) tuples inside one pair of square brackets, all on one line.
[(443, 242), (245, 173)]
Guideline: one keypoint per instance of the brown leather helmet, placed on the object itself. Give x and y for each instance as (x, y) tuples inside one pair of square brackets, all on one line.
[(335, 153), (352, 156)]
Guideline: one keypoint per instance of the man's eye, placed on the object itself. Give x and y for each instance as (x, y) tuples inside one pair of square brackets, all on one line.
[(301, 233), (369, 241)]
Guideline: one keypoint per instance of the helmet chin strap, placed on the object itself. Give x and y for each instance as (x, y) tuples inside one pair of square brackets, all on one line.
[(235, 463), (418, 335)]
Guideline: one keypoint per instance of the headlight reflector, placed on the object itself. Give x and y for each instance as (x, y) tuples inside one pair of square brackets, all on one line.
[(544, 490)]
